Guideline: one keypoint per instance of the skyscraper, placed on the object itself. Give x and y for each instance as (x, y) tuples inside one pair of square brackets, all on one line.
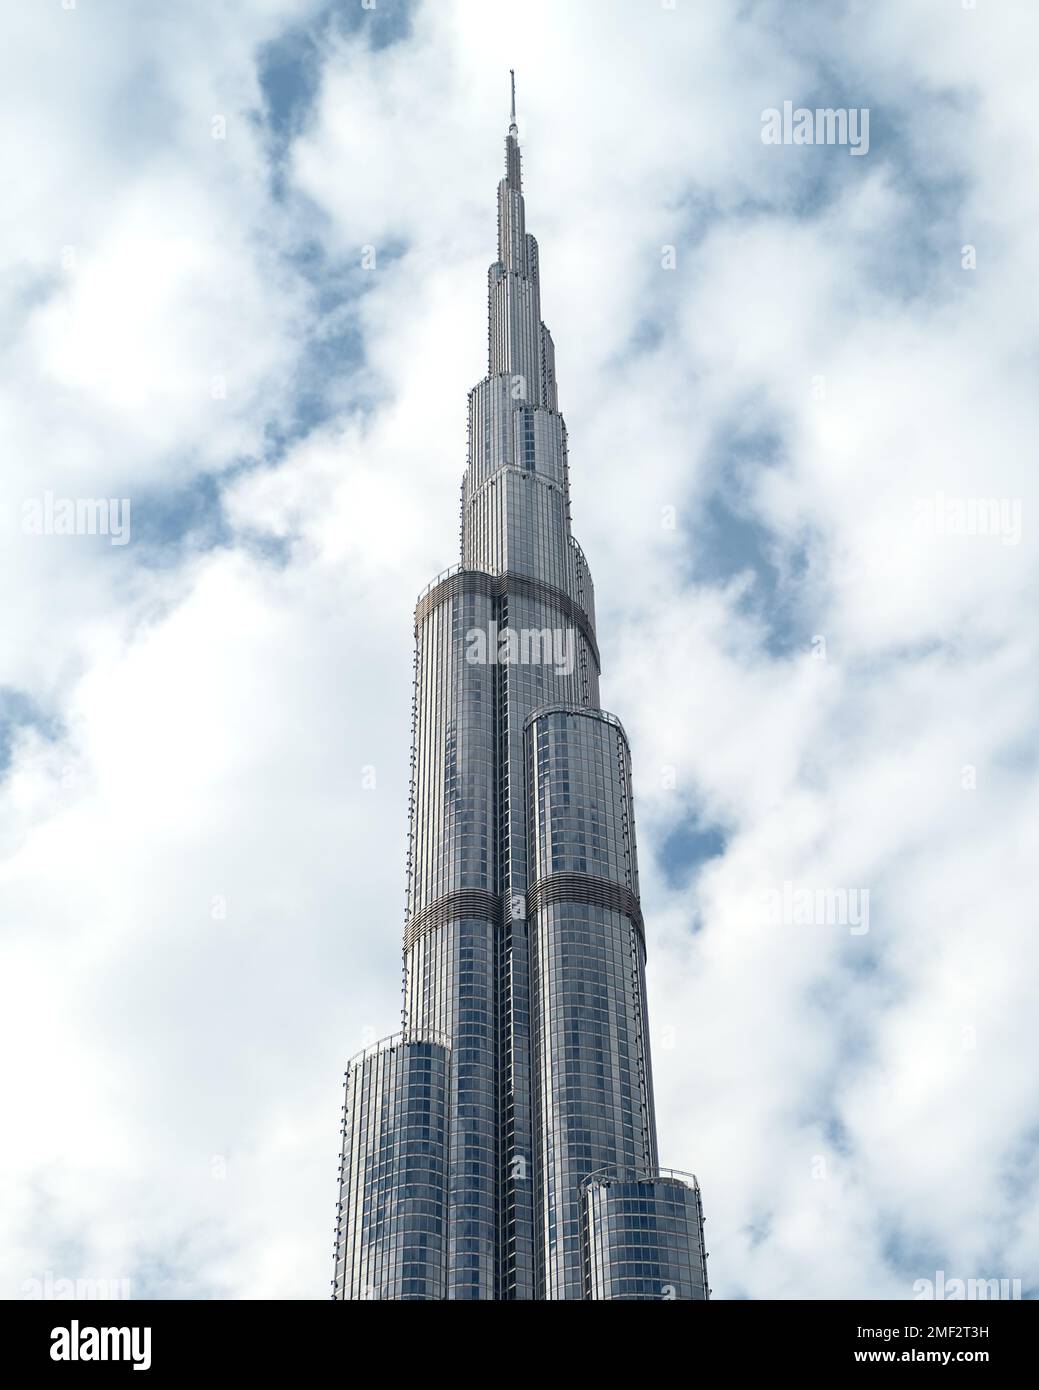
[(503, 1145)]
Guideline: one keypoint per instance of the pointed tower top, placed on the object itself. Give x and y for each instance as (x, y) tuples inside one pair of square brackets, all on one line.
[(513, 128)]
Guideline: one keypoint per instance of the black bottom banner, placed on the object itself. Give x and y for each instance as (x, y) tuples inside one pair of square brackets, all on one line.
[(166, 1342)]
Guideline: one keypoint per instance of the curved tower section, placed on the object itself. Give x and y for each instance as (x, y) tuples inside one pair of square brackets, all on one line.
[(524, 945)]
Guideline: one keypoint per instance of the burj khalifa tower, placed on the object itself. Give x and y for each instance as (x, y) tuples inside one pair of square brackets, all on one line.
[(503, 1145)]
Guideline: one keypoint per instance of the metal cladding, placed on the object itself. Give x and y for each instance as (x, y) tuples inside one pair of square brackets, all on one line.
[(471, 1140)]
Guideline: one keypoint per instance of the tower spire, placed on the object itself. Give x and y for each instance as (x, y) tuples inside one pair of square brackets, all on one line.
[(513, 178)]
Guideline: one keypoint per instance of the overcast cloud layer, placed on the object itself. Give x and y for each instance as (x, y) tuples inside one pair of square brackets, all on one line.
[(781, 367)]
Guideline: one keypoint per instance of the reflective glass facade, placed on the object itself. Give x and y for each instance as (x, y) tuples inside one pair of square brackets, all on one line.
[(642, 1237), (525, 1027), (390, 1241)]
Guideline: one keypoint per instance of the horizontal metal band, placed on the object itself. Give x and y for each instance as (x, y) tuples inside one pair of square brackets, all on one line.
[(580, 711), (500, 586), (467, 902), (586, 888)]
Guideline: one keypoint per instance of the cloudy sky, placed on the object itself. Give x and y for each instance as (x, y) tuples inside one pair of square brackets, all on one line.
[(791, 375)]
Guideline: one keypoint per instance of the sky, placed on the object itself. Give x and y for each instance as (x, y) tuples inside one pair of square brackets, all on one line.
[(244, 255)]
